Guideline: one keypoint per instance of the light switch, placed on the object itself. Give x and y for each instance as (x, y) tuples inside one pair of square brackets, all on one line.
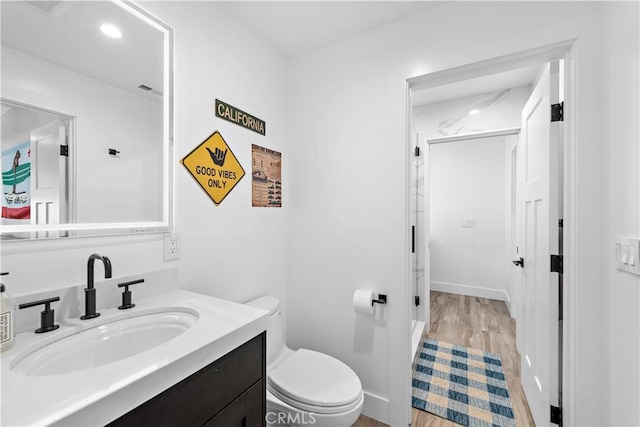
[(468, 222), (627, 251)]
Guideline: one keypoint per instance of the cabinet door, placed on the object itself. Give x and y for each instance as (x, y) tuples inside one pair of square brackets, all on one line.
[(196, 399), (245, 411)]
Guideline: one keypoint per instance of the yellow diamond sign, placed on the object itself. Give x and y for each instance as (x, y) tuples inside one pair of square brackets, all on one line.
[(214, 166)]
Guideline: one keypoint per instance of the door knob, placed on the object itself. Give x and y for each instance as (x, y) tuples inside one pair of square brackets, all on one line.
[(519, 262)]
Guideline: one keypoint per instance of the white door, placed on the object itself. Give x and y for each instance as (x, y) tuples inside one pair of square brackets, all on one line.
[(48, 196), (422, 285), (538, 239), (514, 251), (426, 253), (419, 221), (413, 214)]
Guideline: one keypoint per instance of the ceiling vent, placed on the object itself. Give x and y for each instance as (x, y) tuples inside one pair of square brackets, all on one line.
[(53, 8)]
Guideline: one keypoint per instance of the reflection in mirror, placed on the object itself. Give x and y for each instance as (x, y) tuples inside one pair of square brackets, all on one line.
[(66, 82), (33, 169)]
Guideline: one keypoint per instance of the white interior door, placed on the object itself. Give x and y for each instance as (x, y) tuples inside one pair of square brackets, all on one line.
[(47, 181), (413, 209), (426, 253), (538, 215), (514, 270), (420, 230)]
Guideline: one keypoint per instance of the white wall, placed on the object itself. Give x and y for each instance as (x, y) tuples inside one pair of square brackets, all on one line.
[(108, 189), (230, 251), (468, 183), (348, 225), (622, 136)]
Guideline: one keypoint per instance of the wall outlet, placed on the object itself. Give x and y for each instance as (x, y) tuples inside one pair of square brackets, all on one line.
[(171, 246)]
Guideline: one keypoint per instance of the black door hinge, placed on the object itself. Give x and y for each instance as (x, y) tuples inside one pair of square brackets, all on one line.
[(556, 264), (64, 150), (416, 300), (417, 151), (560, 223), (556, 415), (413, 239), (557, 112)]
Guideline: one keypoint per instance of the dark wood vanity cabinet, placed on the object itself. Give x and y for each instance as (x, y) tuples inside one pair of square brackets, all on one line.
[(229, 392)]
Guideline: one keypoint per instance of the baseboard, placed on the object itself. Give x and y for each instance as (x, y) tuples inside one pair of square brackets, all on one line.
[(376, 407), (507, 301), (472, 291)]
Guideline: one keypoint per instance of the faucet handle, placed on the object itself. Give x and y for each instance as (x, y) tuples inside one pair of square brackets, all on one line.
[(126, 294), (47, 322)]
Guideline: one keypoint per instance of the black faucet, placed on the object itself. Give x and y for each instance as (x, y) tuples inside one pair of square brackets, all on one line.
[(90, 292)]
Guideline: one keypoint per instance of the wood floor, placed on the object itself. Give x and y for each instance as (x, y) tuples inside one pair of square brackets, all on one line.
[(478, 323)]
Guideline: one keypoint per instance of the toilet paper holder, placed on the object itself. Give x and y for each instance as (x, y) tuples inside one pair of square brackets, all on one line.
[(382, 299)]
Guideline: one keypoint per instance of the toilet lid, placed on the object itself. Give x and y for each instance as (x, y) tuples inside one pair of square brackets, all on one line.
[(315, 379)]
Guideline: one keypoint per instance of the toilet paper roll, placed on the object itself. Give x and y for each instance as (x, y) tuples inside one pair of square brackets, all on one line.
[(363, 301)]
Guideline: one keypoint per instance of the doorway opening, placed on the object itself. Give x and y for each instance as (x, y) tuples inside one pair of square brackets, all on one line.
[(500, 241)]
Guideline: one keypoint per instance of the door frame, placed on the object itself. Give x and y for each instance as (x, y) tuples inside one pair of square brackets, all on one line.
[(564, 50)]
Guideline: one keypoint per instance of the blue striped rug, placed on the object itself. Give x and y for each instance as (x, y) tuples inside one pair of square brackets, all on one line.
[(461, 384)]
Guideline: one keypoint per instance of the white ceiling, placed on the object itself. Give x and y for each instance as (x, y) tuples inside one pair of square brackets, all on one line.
[(69, 36), (298, 27), (292, 27), (491, 83)]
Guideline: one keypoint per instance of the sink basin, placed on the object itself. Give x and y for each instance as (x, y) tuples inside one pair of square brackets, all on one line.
[(103, 343)]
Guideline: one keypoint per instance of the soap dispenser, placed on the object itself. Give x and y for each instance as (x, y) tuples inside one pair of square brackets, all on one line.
[(6, 318)]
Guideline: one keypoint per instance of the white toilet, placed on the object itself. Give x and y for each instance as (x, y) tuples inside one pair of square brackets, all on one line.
[(305, 387)]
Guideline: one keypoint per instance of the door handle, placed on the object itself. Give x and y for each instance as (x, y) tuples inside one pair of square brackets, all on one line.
[(519, 262)]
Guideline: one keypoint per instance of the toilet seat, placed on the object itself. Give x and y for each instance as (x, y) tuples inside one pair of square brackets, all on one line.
[(315, 382)]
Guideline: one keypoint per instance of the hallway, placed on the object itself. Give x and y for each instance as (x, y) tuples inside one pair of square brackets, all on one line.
[(477, 323)]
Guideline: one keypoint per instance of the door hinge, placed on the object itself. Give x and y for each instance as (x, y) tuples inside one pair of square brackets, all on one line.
[(64, 150), (417, 151), (556, 264), (556, 415), (413, 239), (557, 112), (416, 299), (560, 223)]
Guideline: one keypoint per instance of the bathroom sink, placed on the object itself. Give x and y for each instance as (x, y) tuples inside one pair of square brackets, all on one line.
[(114, 339)]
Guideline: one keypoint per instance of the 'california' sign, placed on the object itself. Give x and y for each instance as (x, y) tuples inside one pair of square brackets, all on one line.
[(239, 117)]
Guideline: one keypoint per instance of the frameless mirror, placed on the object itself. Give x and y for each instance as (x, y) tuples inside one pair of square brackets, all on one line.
[(86, 119)]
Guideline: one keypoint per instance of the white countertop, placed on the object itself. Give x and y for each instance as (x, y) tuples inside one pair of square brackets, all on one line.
[(99, 395)]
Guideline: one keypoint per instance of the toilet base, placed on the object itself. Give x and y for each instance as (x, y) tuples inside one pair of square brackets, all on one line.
[(281, 414)]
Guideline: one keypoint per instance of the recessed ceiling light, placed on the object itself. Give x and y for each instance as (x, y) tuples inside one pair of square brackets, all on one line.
[(474, 111), (111, 31)]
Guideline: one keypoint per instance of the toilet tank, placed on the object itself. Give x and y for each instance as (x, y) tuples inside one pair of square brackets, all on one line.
[(275, 330)]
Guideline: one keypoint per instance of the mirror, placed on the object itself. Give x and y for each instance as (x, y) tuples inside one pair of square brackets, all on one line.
[(86, 119)]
